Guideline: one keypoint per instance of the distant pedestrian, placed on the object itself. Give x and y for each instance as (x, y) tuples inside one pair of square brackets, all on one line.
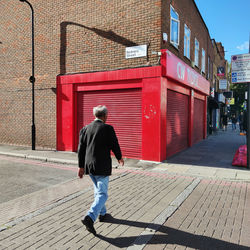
[(234, 122), (241, 118), (224, 119), (96, 141)]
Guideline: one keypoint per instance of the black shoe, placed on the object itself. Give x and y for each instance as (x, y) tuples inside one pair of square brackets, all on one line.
[(105, 217), (88, 222)]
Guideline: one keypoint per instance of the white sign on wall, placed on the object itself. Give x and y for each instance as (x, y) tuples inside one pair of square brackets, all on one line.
[(223, 84), (221, 98), (240, 68), (136, 51)]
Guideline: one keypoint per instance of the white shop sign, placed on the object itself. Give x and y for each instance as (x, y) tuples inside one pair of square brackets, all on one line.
[(223, 84)]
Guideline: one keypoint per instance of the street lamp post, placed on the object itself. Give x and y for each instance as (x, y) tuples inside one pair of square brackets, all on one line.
[(32, 79)]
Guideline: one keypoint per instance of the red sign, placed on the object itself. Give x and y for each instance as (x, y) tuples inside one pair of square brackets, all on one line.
[(220, 71), (180, 71)]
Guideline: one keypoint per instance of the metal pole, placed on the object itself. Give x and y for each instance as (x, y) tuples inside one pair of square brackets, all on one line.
[(32, 79)]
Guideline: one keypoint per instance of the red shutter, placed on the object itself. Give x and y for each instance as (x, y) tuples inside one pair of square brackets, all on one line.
[(198, 129), (177, 122), (125, 115)]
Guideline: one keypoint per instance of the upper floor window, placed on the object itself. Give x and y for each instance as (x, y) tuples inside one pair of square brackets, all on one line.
[(208, 67), (196, 52), (174, 27), (203, 60), (187, 35)]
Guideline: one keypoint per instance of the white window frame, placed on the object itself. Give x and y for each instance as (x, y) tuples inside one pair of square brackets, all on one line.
[(196, 52), (173, 19), (187, 37), (208, 67), (203, 60)]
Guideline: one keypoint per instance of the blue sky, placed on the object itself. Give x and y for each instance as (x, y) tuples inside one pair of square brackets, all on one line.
[(228, 22)]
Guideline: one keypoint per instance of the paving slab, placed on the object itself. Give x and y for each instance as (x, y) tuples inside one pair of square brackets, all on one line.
[(202, 171), (229, 174), (243, 175)]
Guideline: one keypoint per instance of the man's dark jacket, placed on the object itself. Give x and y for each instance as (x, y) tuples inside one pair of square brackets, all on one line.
[(96, 141)]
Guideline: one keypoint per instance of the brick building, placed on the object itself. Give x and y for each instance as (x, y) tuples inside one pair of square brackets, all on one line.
[(220, 72), (90, 36)]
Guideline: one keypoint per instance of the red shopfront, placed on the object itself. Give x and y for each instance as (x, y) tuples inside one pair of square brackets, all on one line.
[(154, 110), (186, 104)]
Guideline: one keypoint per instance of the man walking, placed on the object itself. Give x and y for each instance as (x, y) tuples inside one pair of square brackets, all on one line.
[(96, 141)]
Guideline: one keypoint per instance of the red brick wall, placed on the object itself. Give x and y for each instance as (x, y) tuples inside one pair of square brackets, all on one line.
[(77, 36), (70, 36)]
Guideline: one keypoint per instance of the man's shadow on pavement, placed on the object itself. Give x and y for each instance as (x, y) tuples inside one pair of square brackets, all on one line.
[(167, 235)]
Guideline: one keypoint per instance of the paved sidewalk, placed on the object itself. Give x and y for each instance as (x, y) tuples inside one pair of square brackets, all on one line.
[(39, 154), (216, 151), (195, 200), (208, 158), (211, 158)]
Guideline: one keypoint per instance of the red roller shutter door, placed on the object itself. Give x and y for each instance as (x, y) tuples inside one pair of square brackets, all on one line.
[(177, 122), (125, 115), (198, 128)]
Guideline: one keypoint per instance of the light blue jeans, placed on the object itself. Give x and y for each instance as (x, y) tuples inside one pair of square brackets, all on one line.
[(101, 195), (233, 126)]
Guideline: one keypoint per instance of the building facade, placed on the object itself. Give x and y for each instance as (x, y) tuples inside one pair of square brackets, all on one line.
[(154, 54), (220, 85)]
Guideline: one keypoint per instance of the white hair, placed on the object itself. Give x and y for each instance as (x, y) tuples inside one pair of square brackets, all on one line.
[(100, 111)]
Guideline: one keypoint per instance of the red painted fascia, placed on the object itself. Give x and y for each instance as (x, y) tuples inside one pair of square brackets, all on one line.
[(174, 68), (108, 76)]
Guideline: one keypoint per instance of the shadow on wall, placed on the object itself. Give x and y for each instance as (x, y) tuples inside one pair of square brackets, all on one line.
[(105, 34)]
